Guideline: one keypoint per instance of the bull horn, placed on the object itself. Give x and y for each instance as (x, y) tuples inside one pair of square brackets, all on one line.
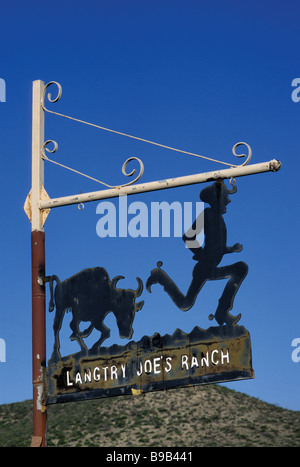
[(139, 290), (115, 280), (139, 305)]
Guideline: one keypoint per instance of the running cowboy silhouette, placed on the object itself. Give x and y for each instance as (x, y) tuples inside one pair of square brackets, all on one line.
[(208, 258)]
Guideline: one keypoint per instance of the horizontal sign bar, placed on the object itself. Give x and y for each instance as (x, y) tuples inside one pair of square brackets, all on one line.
[(271, 166)]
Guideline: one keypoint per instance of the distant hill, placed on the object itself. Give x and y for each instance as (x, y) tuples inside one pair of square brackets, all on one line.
[(201, 416)]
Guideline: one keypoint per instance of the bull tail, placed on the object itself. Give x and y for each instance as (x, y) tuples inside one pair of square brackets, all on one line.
[(50, 279)]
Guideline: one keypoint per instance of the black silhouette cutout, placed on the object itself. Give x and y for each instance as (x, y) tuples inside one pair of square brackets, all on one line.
[(208, 259), (90, 295)]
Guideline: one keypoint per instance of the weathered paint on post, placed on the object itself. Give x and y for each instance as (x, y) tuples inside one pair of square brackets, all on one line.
[(38, 336), (38, 272)]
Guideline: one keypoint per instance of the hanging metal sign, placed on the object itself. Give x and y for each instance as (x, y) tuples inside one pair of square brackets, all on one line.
[(219, 353)]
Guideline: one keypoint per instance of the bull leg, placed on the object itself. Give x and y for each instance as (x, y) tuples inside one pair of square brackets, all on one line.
[(105, 333), (56, 328), (87, 331), (76, 334)]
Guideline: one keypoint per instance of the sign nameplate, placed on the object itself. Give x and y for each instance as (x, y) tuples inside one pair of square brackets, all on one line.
[(214, 355)]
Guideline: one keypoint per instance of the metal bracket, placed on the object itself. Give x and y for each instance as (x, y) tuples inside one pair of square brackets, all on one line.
[(28, 205)]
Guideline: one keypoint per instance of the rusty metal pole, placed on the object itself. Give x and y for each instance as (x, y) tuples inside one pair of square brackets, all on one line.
[(38, 272), (38, 339)]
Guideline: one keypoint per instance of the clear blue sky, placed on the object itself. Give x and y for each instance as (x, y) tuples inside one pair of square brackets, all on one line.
[(195, 75)]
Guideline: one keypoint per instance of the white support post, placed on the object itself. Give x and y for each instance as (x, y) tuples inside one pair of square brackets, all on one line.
[(38, 123)]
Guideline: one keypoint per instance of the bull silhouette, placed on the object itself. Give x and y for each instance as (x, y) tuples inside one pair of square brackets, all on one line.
[(90, 295)]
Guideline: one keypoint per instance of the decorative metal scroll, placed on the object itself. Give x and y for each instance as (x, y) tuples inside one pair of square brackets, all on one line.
[(219, 353), (45, 147), (55, 147)]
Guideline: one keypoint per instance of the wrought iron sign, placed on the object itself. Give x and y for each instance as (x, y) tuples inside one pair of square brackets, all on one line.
[(219, 353)]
